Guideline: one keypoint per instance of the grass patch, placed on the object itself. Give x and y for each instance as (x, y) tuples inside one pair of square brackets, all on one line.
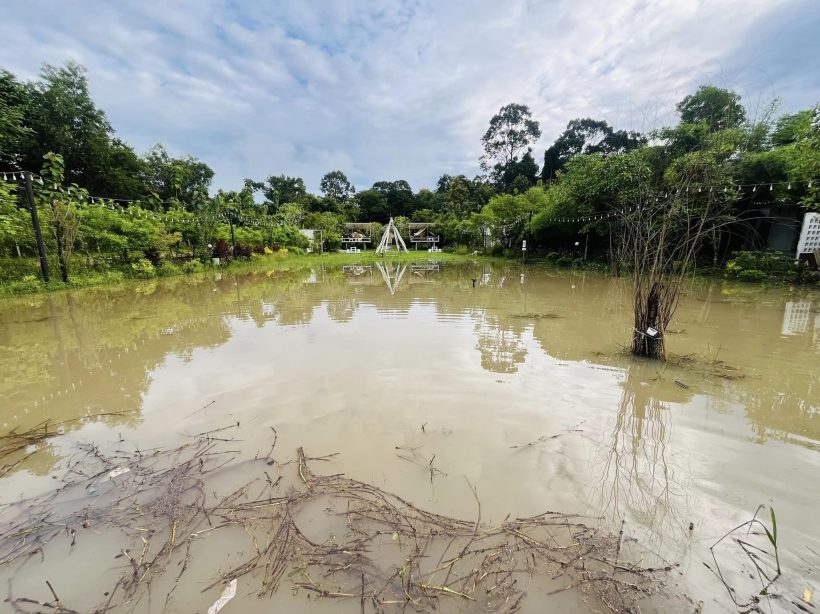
[(283, 260)]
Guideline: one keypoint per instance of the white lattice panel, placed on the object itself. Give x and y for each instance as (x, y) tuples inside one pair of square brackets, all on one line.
[(796, 317), (809, 234)]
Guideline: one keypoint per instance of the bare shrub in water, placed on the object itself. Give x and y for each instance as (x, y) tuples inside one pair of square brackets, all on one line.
[(660, 235)]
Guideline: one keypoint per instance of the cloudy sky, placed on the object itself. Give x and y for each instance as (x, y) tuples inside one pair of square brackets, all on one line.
[(402, 89)]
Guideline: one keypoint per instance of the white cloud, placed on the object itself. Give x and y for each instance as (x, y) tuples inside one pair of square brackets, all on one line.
[(385, 90)]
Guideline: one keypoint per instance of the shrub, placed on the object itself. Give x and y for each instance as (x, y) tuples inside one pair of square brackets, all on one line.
[(289, 236), (192, 266), (333, 240), (12, 269), (222, 249), (751, 275), (242, 250), (756, 266), (153, 255), (167, 269), (259, 249), (143, 269), (563, 261), (30, 283)]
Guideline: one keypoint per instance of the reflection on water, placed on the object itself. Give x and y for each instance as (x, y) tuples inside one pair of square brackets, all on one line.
[(500, 354), (638, 477)]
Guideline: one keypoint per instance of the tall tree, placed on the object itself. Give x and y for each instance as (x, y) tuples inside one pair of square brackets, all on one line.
[(123, 172), (791, 128), (373, 206), (183, 179), (65, 120), (15, 109), (516, 175), (587, 136), (462, 196), (399, 197), (336, 185), (281, 189), (511, 131), (716, 107)]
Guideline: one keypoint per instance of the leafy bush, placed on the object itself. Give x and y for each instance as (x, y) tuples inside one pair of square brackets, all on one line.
[(29, 283), (12, 269), (333, 240), (222, 249), (242, 250), (143, 269), (751, 275), (563, 261), (153, 255), (757, 266), (289, 236), (168, 269), (192, 266)]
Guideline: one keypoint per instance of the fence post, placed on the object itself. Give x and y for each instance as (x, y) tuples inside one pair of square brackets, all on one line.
[(35, 221)]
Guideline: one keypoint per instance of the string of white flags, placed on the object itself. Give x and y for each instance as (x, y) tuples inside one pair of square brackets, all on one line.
[(110, 202)]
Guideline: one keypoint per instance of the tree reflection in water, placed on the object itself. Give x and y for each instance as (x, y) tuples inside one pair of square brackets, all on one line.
[(638, 479)]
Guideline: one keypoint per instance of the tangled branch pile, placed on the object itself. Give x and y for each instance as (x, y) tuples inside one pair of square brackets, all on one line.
[(152, 525)]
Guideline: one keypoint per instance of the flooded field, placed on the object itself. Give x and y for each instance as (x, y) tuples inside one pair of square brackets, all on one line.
[(428, 381)]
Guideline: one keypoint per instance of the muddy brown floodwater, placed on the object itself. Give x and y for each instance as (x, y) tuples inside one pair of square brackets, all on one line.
[(419, 378)]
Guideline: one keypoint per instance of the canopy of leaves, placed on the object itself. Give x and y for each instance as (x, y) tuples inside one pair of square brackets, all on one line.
[(587, 136), (713, 106), (511, 131), (336, 185)]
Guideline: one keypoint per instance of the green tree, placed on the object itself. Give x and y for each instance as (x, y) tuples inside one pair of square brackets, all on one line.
[(716, 107), (462, 196), (399, 199), (281, 189), (511, 131), (15, 111), (184, 180), (63, 205), (65, 120), (516, 175), (290, 214), (336, 185), (16, 233), (587, 136), (373, 206), (793, 128), (122, 172)]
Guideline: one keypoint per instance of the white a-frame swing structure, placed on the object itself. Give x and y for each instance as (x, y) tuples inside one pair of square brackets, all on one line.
[(391, 237)]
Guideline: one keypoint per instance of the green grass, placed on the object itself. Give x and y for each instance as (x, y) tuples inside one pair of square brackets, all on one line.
[(82, 278)]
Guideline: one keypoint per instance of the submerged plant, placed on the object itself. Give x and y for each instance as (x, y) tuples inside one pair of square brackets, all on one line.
[(766, 563)]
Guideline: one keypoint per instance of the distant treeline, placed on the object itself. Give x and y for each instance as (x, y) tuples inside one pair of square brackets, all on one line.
[(588, 173)]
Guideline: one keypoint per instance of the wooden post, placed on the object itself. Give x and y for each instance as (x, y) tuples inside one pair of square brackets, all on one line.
[(233, 238), (38, 235)]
